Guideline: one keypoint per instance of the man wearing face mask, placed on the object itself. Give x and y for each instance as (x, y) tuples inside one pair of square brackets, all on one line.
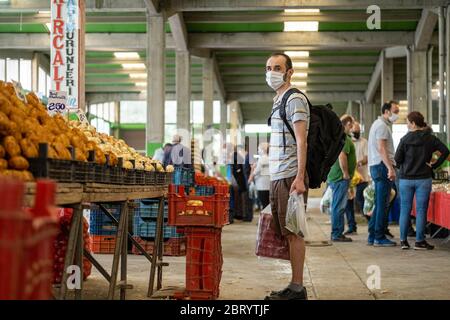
[(361, 165), (287, 165), (381, 164)]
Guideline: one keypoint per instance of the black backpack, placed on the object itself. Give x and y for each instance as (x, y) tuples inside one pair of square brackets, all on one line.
[(326, 138)]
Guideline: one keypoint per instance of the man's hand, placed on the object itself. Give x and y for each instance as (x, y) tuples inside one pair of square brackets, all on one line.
[(346, 176), (391, 174), (298, 185)]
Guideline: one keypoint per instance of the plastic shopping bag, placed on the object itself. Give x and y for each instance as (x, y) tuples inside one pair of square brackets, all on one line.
[(325, 202), (268, 243), (296, 215)]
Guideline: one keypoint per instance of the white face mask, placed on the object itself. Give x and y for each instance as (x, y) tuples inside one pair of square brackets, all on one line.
[(275, 79), (393, 118)]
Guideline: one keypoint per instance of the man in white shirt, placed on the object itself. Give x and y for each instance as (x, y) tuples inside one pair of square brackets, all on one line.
[(381, 164)]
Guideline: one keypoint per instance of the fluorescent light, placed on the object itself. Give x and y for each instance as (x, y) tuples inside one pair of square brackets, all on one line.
[(44, 11), (300, 64), (138, 75), (303, 10), (297, 54), (300, 83), (301, 26), (133, 66), (49, 27), (141, 84), (300, 75), (126, 55)]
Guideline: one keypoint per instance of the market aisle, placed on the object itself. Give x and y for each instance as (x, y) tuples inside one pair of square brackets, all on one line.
[(332, 272)]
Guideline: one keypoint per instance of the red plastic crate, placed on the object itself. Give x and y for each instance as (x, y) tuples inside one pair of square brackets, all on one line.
[(206, 211), (26, 237), (103, 244), (203, 262), (175, 247)]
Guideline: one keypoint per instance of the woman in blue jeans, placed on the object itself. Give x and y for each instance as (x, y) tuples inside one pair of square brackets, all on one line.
[(413, 157)]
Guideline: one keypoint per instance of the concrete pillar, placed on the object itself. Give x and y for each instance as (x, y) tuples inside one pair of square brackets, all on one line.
[(223, 119), (208, 92), (418, 65), (116, 131), (234, 121), (156, 43), (370, 114), (35, 72), (387, 79), (183, 89)]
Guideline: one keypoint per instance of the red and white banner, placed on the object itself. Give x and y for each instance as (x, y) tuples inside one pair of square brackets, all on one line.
[(65, 49)]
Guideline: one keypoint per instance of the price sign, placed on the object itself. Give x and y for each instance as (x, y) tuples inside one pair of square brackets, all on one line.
[(82, 117), (57, 102), (20, 92)]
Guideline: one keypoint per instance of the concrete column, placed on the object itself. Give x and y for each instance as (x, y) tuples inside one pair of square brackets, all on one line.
[(370, 114), (208, 92), (183, 89), (116, 132), (156, 43), (418, 65), (447, 67), (234, 121), (442, 113), (387, 79), (35, 71), (223, 119)]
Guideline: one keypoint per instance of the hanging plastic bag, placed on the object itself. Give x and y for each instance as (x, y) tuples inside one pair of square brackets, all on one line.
[(325, 202), (296, 216), (268, 243)]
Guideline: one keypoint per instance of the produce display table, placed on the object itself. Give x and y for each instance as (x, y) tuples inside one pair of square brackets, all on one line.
[(81, 196), (438, 210)]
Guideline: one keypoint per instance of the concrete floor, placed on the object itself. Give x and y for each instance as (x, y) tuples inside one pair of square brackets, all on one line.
[(339, 271)]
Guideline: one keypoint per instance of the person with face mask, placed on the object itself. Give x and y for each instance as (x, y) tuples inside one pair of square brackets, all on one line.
[(261, 176), (413, 156), (361, 165), (381, 165), (287, 166)]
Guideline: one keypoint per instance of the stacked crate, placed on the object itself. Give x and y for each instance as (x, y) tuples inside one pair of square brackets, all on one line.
[(145, 227), (102, 229), (202, 217)]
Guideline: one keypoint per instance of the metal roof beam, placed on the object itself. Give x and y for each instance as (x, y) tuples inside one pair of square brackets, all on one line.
[(179, 32), (233, 5), (425, 29), (257, 41), (249, 17)]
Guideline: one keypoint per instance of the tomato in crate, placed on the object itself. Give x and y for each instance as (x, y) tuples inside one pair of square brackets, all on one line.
[(191, 210)]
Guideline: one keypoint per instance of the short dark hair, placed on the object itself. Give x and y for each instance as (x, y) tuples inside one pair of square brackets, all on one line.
[(387, 106), (417, 118), (288, 59)]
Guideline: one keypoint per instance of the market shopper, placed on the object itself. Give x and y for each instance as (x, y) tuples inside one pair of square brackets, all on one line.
[(339, 181), (361, 164), (261, 175), (381, 164), (287, 165), (413, 156)]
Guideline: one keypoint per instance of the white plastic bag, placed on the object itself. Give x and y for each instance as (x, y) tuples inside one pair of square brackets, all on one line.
[(296, 215), (325, 202)]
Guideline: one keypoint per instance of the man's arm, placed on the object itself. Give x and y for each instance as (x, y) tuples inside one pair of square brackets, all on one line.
[(384, 156), (343, 163), (302, 145)]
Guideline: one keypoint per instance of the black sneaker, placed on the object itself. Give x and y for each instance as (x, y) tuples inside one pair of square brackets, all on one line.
[(350, 233), (423, 245), (389, 234), (404, 245), (288, 294), (342, 239)]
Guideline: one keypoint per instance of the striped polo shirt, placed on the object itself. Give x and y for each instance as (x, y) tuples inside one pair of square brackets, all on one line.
[(283, 161)]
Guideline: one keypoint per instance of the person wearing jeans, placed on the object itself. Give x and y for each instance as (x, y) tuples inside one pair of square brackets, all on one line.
[(413, 156), (339, 181), (381, 163)]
